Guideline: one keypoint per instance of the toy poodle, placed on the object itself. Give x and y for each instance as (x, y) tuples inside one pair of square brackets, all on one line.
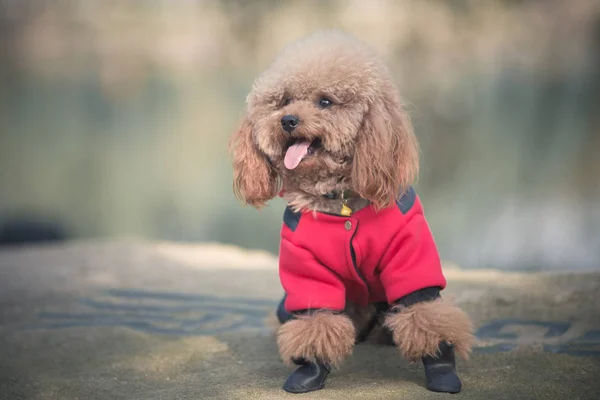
[(324, 128)]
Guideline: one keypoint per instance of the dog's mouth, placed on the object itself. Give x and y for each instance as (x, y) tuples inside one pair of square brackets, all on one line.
[(298, 149)]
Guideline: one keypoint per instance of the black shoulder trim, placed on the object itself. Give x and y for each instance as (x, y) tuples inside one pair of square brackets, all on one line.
[(291, 218), (407, 200)]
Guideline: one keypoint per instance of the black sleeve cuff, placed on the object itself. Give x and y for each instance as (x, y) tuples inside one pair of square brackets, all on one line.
[(310, 311), (426, 294)]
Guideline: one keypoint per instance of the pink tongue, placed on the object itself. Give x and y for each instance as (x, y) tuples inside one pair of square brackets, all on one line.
[(295, 154)]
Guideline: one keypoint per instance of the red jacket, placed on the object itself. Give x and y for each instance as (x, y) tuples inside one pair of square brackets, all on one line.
[(367, 257)]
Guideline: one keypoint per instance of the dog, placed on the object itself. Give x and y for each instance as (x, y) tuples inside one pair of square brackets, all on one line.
[(325, 129)]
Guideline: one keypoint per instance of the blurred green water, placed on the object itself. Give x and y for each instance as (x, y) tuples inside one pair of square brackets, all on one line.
[(104, 132)]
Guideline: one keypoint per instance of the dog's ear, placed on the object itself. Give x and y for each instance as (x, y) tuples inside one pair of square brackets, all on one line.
[(386, 159), (254, 179)]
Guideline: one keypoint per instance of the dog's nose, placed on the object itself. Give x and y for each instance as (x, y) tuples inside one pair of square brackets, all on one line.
[(289, 123)]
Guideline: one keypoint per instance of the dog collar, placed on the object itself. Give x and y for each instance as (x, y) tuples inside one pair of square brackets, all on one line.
[(343, 196), (335, 195)]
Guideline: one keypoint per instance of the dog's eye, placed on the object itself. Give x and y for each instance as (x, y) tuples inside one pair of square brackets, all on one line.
[(286, 101), (324, 102)]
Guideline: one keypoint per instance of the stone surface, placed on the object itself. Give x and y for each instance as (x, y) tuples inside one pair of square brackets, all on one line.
[(136, 320)]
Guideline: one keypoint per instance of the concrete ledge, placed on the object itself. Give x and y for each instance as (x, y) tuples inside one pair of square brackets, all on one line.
[(139, 320)]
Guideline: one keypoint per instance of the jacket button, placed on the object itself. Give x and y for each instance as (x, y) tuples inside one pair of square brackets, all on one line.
[(348, 225)]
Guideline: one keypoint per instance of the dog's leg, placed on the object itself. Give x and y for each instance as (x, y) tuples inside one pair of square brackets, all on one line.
[(380, 334), (368, 322), (428, 328), (363, 318), (317, 341)]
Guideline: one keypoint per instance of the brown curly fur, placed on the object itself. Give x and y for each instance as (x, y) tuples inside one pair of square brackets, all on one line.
[(419, 329), (322, 335), (368, 143), (260, 185)]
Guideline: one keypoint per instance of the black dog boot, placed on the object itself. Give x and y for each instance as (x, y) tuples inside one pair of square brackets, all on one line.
[(441, 371), (308, 377), (282, 315)]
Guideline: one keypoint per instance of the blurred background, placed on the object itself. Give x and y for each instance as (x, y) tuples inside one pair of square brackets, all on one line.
[(115, 116)]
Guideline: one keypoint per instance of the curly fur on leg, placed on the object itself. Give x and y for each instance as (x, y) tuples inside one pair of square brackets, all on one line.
[(322, 336), (419, 329)]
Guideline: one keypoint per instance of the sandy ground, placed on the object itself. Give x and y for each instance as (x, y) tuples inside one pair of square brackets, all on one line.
[(134, 320)]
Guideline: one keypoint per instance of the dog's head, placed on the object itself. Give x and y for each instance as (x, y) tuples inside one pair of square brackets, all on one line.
[(325, 115)]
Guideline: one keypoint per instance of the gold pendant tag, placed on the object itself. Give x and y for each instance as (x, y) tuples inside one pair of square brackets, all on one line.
[(346, 211)]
